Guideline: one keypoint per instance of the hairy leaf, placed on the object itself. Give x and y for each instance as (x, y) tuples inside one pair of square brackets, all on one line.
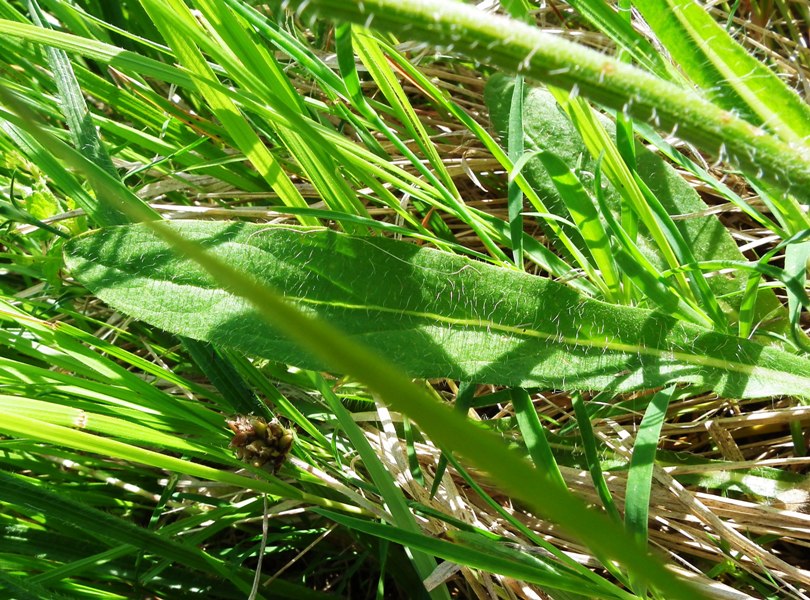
[(434, 314)]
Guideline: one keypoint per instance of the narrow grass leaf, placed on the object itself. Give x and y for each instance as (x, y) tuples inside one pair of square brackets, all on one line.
[(583, 211), (534, 436), (514, 193), (639, 477), (589, 445)]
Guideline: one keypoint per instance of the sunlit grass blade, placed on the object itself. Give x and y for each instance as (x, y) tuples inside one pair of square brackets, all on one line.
[(515, 149), (344, 38), (583, 211), (534, 436), (591, 456)]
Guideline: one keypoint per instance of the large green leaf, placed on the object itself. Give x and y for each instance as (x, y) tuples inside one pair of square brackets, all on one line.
[(434, 314)]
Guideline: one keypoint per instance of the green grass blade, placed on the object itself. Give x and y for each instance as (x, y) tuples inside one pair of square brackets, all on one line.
[(371, 53), (592, 458), (583, 211), (514, 193), (79, 121), (534, 435), (392, 495), (639, 477)]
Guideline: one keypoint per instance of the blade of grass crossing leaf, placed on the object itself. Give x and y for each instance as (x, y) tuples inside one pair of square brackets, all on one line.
[(592, 457), (534, 436), (514, 193), (391, 494)]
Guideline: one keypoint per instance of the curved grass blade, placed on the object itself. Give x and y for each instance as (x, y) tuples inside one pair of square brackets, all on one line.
[(439, 315), (639, 478)]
